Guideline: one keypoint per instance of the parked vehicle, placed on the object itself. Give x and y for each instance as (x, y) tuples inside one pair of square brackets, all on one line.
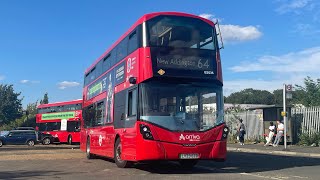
[(45, 138), (16, 137), (24, 128)]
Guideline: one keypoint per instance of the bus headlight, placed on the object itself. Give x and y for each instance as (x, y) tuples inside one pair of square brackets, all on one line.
[(146, 133), (225, 133)]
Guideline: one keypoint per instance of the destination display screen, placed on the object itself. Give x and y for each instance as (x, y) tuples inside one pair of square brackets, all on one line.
[(185, 62), (195, 63)]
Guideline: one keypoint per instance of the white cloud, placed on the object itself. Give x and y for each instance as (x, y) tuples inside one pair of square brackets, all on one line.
[(2, 77), (294, 6), (26, 81), (306, 29), (290, 68), (67, 84), (307, 60), (236, 33), (211, 17)]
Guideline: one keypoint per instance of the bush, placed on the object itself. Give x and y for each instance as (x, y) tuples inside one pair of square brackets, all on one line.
[(306, 139)]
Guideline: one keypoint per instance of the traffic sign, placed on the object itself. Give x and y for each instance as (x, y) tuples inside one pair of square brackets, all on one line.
[(283, 113), (289, 87)]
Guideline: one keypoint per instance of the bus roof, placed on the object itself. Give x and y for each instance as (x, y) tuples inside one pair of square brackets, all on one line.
[(77, 101), (140, 21)]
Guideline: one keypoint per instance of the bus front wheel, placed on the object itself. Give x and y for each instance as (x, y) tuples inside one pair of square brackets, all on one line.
[(88, 154), (117, 156), (70, 140)]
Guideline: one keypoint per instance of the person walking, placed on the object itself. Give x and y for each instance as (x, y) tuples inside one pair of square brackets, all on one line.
[(272, 129), (241, 131), (279, 134)]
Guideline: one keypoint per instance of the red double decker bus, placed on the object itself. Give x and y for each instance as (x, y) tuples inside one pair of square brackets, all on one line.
[(156, 94), (61, 120)]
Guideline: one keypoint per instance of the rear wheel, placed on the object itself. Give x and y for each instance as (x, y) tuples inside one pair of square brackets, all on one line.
[(46, 141), (1, 143), (117, 156), (30, 143), (188, 164), (70, 140), (89, 155)]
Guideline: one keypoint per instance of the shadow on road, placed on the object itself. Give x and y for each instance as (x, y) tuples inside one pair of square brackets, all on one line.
[(30, 174), (37, 147), (236, 163)]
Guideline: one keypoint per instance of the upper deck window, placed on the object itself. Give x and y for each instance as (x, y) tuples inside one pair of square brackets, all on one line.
[(180, 32)]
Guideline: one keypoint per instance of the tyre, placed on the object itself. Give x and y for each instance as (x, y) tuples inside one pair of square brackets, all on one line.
[(188, 164), (30, 143), (117, 156), (1, 143), (88, 154), (70, 140), (46, 141)]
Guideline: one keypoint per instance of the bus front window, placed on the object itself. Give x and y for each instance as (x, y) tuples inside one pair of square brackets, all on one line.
[(181, 107), (180, 32)]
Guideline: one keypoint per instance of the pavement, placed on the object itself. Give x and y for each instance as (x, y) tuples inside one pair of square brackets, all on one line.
[(292, 150), (63, 163)]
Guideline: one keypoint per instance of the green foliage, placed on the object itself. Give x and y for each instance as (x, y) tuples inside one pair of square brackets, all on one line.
[(25, 120), (306, 139), (10, 106), (251, 96), (32, 108), (309, 94), (45, 99)]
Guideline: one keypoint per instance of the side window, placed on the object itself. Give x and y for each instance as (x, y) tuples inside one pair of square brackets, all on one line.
[(133, 42), (132, 103), (92, 75), (121, 50), (89, 116), (73, 126), (106, 63), (87, 79), (77, 106), (59, 108), (99, 68), (100, 114), (119, 109)]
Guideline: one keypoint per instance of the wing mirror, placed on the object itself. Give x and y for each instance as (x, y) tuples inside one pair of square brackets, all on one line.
[(132, 80)]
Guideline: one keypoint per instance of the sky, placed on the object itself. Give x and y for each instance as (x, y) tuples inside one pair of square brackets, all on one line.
[(45, 46)]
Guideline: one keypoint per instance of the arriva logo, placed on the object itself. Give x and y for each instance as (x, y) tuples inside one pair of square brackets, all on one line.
[(190, 137)]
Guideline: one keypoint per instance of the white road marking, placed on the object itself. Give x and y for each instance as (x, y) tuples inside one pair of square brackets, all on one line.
[(259, 176), (300, 177)]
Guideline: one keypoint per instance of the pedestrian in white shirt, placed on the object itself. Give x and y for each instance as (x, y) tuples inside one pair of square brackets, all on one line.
[(272, 129), (279, 134)]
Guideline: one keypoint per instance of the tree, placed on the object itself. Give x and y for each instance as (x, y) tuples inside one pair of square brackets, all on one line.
[(45, 99), (32, 108), (309, 94), (10, 104), (250, 96)]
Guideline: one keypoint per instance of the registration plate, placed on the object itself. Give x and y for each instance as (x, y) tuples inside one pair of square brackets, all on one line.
[(189, 156)]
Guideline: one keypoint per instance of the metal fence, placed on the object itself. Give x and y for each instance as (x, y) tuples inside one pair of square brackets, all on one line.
[(309, 117), (305, 120), (253, 121)]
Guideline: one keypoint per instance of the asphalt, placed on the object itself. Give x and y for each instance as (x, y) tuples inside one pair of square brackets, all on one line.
[(239, 165), (292, 150)]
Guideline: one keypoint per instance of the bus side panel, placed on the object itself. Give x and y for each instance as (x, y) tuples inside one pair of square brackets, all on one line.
[(145, 64), (83, 139)]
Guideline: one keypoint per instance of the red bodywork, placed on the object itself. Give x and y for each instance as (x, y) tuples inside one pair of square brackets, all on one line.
[(62, 136), (166, 144)]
